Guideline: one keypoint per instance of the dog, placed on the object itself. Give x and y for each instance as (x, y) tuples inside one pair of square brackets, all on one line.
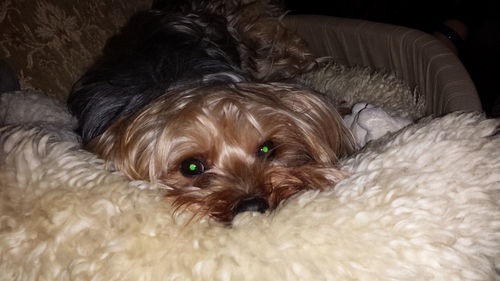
[(196, 97)]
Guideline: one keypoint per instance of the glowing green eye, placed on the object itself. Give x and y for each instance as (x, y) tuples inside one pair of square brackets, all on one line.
[(266, 150), (192, 167)]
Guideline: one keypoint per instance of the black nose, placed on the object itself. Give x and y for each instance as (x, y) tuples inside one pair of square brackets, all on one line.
[(253, 204)]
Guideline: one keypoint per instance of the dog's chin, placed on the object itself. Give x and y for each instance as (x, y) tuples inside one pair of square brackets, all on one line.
[(223, 150)]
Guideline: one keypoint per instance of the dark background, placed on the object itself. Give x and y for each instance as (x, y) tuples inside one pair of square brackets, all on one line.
[(480, 52)]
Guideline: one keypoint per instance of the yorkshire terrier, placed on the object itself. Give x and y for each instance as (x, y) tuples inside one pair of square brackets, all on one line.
[(191, 97)]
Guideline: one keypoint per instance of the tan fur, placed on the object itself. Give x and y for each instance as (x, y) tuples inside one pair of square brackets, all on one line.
[(224, 126), (268, 50)]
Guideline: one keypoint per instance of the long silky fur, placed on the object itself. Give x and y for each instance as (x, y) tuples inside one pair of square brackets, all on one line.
[(179, 81), (181, 44), (159, 52), (224, 125)]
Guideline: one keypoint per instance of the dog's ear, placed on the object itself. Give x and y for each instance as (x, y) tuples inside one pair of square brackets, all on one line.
[(321, 125), (128, 145)]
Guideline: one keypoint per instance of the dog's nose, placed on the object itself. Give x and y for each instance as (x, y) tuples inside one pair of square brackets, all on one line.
[(253, 204)]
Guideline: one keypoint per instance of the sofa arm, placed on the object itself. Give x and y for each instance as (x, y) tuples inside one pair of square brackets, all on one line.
[(414, 56)]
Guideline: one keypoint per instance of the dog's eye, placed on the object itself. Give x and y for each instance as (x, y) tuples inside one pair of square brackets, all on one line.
[(192, 167), (266, 150)]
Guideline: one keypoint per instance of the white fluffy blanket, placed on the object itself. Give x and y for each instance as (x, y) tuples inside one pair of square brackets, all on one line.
[(422, 204), (380, 102), (346, 86)]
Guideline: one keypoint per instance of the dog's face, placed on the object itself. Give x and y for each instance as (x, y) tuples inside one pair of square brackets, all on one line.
[(222, 150)]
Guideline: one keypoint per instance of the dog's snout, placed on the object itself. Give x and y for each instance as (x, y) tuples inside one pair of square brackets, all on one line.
[(253, 204)]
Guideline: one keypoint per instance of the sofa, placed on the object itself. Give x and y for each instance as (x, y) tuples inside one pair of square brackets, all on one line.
[(422, 201), (50, 44)]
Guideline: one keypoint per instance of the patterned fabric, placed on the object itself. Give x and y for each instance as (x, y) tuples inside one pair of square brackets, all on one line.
[(50, 43)]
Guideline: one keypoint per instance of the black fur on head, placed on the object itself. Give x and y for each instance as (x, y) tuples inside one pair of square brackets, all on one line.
[(157, 51)]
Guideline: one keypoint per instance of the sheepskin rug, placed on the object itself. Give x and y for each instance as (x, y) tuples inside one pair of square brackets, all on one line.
[(421, 204), (346, 86)]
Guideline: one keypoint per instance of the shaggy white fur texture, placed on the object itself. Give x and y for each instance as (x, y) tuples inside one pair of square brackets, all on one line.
[(423, 204), (347, 86)]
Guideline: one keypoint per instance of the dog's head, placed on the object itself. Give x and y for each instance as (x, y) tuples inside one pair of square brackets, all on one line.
[(222, 150)]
